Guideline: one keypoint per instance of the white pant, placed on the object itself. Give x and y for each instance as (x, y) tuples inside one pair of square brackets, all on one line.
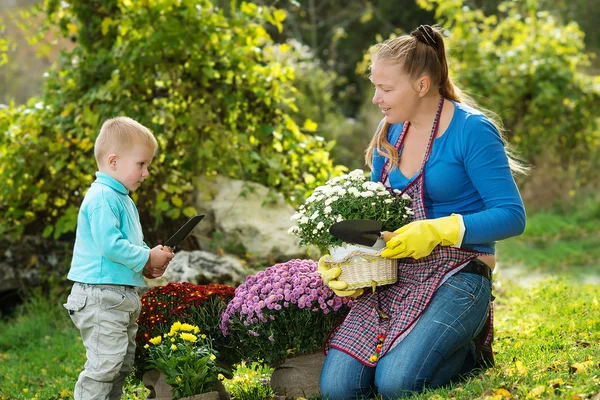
[(106, 317)]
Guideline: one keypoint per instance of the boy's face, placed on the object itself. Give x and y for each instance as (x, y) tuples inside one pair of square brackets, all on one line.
[(131, 167)]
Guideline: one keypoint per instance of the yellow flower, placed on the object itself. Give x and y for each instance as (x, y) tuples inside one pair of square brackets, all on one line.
[(212, 357), (25, 390), (172, 339), (176, 326), (156, 340), (196, 330), (188, 337), (178, 379), (187, 327), (220, 377), (203, 336), (173, 347), (146, 346)]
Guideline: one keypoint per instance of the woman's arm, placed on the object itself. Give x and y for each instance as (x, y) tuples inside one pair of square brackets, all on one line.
[(487, 166)]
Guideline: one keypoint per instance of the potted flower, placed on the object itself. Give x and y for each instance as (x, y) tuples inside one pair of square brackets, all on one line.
[(349, 197), (199, 305), (185, 362), (281, 312)]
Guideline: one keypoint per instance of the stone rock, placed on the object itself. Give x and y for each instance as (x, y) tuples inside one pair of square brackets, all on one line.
[(298, 376), (31, 262), (247, 213), (201, 267)]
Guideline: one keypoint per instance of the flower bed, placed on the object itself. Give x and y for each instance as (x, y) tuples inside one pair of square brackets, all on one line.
[(281, 311)]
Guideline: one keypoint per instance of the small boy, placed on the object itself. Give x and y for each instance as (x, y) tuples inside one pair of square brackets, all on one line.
[(109, 259)]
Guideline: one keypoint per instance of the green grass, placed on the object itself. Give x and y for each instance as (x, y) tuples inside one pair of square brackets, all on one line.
[(41, 354), (555, 244)]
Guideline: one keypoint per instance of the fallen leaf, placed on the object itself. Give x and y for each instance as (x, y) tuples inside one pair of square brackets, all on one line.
[(521, 369), (536, 392), (556, 383), (502, 392)]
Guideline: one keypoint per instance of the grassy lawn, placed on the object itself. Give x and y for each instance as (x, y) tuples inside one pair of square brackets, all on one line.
[(547, 332), (557, 245)]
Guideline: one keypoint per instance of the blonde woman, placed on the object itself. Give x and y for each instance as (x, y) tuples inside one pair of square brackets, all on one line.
[(452, 160)]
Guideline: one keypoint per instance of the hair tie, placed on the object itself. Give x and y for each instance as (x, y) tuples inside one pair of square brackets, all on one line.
[(425, 34)]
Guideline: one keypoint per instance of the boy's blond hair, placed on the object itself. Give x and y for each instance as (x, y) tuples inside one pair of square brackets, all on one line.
[(120, 134)]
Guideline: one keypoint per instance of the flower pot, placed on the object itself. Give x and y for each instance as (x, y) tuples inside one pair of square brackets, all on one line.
[(160, 390), (362, 266), (298, 376)]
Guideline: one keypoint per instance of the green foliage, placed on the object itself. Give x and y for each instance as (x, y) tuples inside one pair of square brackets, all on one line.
[(209, 85), (250, 382), (524, 65), (187, 359)]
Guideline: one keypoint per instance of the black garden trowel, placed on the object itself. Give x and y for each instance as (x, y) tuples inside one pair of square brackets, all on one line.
[(360, 231)]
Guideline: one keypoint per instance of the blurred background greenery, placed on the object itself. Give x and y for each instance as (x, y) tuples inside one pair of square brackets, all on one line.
[(277, 93)]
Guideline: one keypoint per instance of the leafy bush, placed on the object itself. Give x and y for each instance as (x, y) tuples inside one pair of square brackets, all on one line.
[(207, 83), (525, 65)]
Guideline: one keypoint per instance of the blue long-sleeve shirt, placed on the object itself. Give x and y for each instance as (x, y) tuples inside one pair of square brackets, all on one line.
[(468, 174), (109, 244)]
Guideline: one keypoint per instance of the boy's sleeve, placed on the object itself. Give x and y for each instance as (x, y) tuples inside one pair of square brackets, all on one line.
[(109, 239)]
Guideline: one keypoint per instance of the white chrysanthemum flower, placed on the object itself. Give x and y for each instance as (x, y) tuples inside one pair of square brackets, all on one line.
[(296, 216), (315, 215), (357, 174), (405, 196), (388, 201), (315, 231), (292, 230), (303, 220), (367, 193), (327, 210), (320, 225), (339, 218)]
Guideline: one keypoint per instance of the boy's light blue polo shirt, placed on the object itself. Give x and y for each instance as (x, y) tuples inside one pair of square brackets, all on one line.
[(109, 243)]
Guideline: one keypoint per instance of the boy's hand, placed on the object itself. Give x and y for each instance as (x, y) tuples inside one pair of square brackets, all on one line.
[(157, 262)]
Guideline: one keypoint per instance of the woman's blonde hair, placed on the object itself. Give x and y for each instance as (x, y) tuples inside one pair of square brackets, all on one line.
[(423, 53), (120, 134)]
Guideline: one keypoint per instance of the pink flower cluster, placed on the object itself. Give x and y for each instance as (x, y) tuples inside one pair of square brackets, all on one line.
[(294, 286)]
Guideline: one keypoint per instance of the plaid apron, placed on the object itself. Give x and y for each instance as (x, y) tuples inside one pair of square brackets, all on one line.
[(364, 333)]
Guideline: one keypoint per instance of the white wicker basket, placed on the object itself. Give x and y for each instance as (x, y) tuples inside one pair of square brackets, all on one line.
[(363, 266)]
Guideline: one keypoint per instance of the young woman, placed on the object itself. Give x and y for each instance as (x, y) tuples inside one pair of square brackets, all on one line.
[(451, 159)]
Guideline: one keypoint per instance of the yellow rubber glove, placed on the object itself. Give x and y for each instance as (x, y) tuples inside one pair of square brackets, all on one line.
[(329, 276), (419, 238)]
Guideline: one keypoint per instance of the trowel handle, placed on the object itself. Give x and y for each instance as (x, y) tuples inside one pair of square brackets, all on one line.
[(167, 249), (387, 235)]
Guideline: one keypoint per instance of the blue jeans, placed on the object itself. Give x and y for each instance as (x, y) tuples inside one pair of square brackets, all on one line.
[(438, 349)]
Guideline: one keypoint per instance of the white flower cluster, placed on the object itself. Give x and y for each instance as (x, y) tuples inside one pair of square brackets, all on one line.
[(347, 197)]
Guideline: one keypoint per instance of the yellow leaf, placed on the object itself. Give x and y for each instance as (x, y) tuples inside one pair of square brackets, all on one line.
[(536, 392), (72, 28), (521, 370), (555, 383), (309, 179), (502, 392), (176, 200), (578, 368), (105, 26), (189, 212), (310, 125)]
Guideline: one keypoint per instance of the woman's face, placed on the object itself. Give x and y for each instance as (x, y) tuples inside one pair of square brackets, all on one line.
[(394, 92)]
